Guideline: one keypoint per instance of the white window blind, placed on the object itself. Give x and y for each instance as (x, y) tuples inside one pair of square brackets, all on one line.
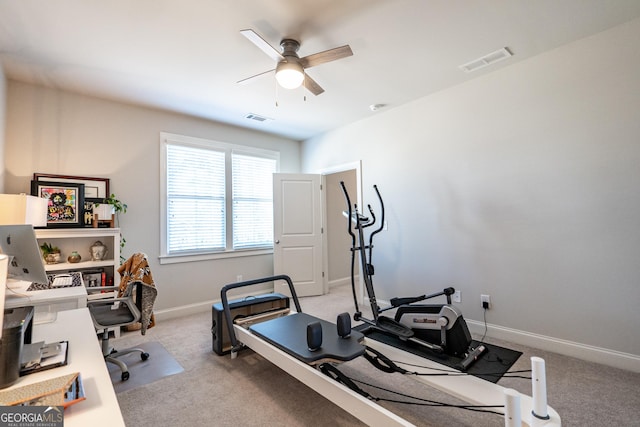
[(252, 201), (195, 199), (217, 199)]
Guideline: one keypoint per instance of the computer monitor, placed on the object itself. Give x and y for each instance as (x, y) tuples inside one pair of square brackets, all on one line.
[(25, 259)]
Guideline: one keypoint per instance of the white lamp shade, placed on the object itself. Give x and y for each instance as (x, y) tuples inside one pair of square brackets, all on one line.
[(23, 209), (290, 75)]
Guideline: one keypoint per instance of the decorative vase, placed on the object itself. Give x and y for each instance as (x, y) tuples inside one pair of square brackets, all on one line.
[(52, 258), (98, 251), (74, 257)]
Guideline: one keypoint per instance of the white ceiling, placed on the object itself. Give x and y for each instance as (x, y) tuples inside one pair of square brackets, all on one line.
[(186, 55)]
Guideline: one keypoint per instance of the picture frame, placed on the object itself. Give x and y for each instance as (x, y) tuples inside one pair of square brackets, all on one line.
[(65, 202), (94, 188), (87, 215)]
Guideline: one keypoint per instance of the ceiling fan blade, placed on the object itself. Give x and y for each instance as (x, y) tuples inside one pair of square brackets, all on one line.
[(312, 86), (326, 56), (256, 39), (250, 79)]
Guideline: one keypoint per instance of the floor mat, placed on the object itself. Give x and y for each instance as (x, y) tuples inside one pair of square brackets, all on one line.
[(159, 365), (491, 365)]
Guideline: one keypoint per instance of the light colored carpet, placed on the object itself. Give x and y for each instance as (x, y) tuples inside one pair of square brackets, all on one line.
[(249, 391)]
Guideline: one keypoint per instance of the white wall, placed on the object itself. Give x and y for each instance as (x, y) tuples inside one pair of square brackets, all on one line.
[(522, 184), (51, 131)]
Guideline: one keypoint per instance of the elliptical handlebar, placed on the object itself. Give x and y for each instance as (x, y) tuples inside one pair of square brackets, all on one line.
[(375, 187), (351, 233), (358, 245), (397, 302), (359, 219), (356, 315), (373, 217)]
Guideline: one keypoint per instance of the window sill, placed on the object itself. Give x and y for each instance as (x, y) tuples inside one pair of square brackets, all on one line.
[(175, 259)]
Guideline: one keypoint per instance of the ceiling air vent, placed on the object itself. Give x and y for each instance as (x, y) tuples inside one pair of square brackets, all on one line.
[(256, 117), (488, 59)]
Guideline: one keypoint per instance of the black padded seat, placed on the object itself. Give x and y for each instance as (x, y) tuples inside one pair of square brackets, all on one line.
[(289, 334)]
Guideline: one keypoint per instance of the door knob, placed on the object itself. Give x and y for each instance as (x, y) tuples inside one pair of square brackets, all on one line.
[(277, 242)]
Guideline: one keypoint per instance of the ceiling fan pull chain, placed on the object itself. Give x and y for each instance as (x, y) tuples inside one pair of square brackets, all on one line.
[(304, 86)]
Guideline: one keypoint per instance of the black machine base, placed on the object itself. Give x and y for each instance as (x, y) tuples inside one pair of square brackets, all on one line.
[(491, 365)]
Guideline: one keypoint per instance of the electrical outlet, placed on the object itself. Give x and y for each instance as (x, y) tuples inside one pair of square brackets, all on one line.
[(485, 300), (457, 297), (239, 278)]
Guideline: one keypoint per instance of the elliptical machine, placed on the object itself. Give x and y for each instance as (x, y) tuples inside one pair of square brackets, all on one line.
[(439, 328)]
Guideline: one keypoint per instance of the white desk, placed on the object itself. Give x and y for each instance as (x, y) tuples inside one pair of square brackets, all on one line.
[(46, 302), (101, 407)]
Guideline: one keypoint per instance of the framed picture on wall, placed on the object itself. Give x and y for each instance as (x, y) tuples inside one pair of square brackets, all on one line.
[(65, 202), (95, 188), (87, 217)]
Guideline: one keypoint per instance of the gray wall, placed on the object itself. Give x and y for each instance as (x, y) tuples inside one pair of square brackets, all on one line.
[(51, 131), (522, 184)]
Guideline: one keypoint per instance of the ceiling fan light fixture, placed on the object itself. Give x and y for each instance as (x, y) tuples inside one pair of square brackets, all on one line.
[(289, 75)]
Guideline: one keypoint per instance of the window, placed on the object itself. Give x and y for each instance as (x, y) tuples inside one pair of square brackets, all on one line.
[(252, 201), (217, 198)]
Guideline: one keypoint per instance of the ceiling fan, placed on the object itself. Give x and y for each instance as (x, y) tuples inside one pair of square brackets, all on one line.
[(290, 68)]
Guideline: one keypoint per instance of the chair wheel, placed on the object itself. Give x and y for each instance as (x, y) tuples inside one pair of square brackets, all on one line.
[(144, 356), (125, 376)]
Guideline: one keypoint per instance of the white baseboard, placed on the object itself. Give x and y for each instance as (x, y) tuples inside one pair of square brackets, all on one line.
[(184, 310), (616, 359), (201, 307), (346, 281)]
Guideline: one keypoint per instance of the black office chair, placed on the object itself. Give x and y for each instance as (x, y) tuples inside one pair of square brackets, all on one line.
[(114, 313)]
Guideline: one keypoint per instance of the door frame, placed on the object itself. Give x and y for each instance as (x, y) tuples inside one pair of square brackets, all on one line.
[(357, 166)]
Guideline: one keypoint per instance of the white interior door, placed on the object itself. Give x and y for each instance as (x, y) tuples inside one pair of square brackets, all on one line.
[(297, 249)]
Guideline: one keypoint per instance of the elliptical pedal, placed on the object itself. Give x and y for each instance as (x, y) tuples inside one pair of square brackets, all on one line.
[(396, 328)]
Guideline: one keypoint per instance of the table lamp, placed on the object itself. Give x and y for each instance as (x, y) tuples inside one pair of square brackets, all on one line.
[(18, 209), (23, 209)]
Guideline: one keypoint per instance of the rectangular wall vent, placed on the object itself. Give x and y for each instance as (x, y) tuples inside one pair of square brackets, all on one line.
[(256, 117), (488, 59)]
